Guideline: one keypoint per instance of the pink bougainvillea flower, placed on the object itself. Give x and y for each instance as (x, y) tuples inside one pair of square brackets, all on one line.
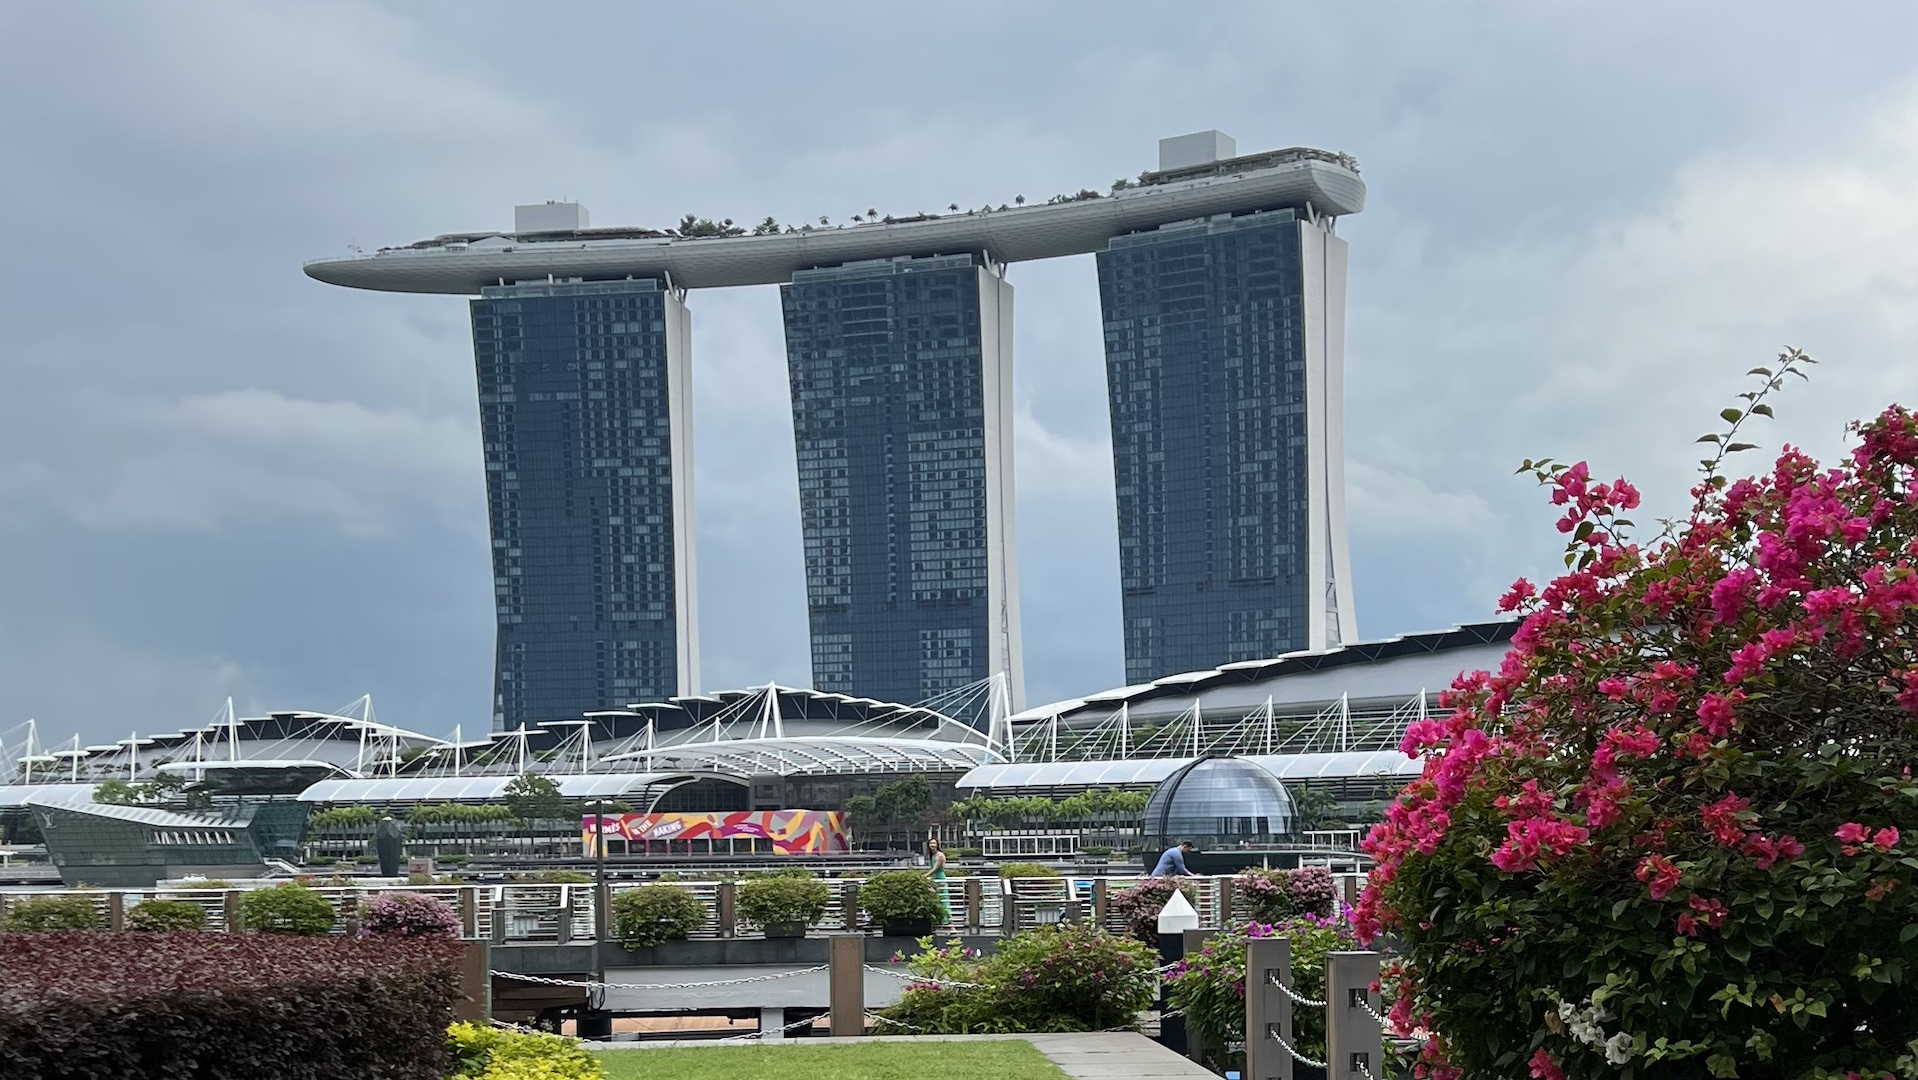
[(1885, 839), (1659, 874), (1851, 833), (1545, 1067)]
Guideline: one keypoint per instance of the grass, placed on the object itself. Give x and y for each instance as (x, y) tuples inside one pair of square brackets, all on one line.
[(1012, 1059)]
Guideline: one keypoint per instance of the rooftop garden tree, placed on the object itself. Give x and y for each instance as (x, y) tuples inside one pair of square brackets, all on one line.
[(1667, 835)]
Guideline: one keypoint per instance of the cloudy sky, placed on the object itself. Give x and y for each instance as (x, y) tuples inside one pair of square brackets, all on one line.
[(220, 478)]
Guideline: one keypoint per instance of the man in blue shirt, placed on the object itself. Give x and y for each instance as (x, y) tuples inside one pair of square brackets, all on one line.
[(1172, 863)]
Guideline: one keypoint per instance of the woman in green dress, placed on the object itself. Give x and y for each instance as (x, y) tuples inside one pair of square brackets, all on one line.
[(938, 875)]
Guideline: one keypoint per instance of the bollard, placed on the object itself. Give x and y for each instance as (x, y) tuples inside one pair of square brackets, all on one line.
[(116, 911), (475, 1002), (1171, 1024), (975, 904), (1196, 1046), (849, 906), (1267, 1009), (847, 954), (728, 908), (1354, 1043), (469, 912)]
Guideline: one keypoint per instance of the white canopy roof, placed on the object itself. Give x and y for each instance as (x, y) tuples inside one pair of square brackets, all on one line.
[(1059, 774), (813, 754), (472, 788)]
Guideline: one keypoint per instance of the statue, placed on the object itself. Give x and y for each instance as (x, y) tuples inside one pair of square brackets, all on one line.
[(389, 845)]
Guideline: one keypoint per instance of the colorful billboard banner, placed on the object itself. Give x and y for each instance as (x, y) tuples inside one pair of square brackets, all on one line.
[(793, 832)]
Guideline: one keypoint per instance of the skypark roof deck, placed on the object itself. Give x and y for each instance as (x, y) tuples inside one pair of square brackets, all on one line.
[(1315, 182)]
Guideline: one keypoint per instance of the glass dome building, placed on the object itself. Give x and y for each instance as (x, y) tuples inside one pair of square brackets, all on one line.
[(1218, 803)]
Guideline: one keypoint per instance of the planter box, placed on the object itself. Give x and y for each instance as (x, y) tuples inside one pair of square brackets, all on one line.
[(909, 928), (789, 928)]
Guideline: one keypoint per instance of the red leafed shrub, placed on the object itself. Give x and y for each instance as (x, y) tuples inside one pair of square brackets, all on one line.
[(1667, 838), (165, 1006)]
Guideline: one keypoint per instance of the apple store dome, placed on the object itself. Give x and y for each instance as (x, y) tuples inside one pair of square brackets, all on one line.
[(1218, 802)]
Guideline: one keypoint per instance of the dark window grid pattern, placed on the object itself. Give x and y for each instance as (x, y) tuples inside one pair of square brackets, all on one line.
[(1205, 366), (888, 417), (577, 443)]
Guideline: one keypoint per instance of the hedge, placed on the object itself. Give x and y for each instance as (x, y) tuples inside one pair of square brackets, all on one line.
[(165, 1006)]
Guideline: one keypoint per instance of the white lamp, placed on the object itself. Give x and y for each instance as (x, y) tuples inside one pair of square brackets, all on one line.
[(1177, 916)]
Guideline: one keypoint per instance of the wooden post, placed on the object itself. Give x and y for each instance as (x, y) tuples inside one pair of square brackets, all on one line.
[(848, 980), (728, 909), (230, 909), (1353, 1038), (1195, 1045), (975, 904), (469, 912), (1267, 1009), (475, 1002), (565, 914), (1099, 902), (116, 911)]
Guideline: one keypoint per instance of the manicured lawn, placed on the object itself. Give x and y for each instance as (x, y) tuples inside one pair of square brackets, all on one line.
[(1009, 1060)]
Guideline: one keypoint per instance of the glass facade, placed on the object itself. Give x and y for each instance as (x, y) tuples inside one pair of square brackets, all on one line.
[(1217, 364), (901, 385), (1216, 801), (584, 397)]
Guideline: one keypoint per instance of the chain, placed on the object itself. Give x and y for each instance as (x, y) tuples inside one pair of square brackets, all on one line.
[(1297, 998), (944, 984), (1272, 1032), (1364, 1001), (1363, 1071), (751, 1035), (591, 985), (894, 1023)]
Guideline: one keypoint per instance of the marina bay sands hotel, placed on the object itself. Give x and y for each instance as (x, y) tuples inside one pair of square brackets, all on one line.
[(1222, 286)]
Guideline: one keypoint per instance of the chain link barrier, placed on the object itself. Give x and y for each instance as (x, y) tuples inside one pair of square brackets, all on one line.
[(751, 1035), (943, 984), (1297, 998), (595, 985), (1272, 1032)]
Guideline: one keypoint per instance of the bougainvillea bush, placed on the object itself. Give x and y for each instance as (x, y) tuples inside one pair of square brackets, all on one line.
[(1673, 834), (406, 914), (151, 1006), (1272, 895)]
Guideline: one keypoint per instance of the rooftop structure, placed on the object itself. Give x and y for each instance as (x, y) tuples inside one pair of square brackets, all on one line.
[(462, 264)]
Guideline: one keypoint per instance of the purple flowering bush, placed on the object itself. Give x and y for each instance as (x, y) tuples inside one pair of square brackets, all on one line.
[(1273, 895), (407, 915), (1063, 977), (1209, 986), (1139, 906)]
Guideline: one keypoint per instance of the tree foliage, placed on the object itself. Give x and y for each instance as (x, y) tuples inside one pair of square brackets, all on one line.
[(1668, 834), (532, 797)]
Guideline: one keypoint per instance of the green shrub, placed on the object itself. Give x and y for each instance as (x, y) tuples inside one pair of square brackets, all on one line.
[(557, 877), (490, 1053), (649, 914), (777, 872), (783, 899), (1066, 977), (900, 896), (1140, 905), (287, 909), (69, 911), (163, 916), (1095, 849), (1209, 986), (1272, 895), (1027, 869)]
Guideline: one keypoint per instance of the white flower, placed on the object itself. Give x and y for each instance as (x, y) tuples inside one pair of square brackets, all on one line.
[(1567, 1011), (1618, 1049)]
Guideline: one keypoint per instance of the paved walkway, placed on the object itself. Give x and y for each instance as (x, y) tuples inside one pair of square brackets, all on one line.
[(1103, 1055)]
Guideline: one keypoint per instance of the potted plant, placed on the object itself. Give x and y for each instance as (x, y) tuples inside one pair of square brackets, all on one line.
[(784, 906), (903, 902)]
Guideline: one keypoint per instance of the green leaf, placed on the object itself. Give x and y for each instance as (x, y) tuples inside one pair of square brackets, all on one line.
[(1733, 448), (1761, 410), (1708, 438), (1730, 416), (1765, 371), (1910, 931)]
